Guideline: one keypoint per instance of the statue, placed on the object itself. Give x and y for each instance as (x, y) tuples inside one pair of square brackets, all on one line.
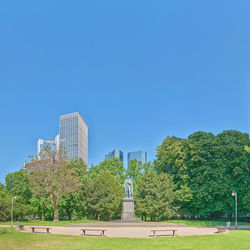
[(128, 188), (128, 210)]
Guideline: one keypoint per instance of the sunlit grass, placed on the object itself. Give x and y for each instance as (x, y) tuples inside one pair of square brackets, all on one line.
[(18, 240), (202, 223), (47, 223), (189, 223)]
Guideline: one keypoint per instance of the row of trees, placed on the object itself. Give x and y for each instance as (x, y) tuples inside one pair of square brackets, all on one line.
[(189, 177), (206, 169), (52, 188)]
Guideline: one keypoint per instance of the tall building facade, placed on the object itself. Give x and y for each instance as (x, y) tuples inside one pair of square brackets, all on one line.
[(115, 153), (74, 136), (138, 155), (53, 143)]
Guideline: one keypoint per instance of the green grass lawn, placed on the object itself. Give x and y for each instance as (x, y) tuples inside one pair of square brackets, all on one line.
[(17, 240), (203, 223), (47, 223), (189, 223)]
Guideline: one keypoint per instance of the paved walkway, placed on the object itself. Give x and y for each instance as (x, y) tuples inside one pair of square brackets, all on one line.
[(130, 232)]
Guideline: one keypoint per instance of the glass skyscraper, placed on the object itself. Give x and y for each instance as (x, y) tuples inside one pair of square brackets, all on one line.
[(115, 153), (74, 136), (138, 155)]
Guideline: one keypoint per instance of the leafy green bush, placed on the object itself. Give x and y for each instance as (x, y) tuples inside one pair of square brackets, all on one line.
[(3, 231)]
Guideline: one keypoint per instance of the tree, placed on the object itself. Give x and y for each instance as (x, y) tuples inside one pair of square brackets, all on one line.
[(206, 168), (155, 196), (79, 167), (247, 149), (41, 206), (206, 176), (5, 201), (172, 157), (113, 166), (20, 210), (218, 165), (236, 161), (74, 204), (103, 196), (134, 170), (51, 175), (16, 184), (246, 198)]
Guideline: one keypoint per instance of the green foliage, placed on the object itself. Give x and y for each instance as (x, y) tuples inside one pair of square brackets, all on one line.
[(5, 205), (3, 231), (79, 167), (155, 195), (72, 206), (16, 184), (103, 196), (172, 157), (41, 207), (236, 164), (184, 197), (52, 177), (20, 210), (205, 176), (136, 168), (113, 166), (206, 168), (247, 149)]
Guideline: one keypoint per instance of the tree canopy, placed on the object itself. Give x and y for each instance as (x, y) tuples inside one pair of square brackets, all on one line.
[(155, 195), (208, 167), (54, 177), (190, 177), (16, 184), (113, 166), (103, 196)]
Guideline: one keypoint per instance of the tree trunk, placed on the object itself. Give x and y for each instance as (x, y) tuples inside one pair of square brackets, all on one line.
[(108, 217), (54, 203), (56, 217), (69, 214)]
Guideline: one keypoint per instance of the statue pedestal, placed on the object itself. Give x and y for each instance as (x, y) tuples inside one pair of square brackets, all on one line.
[(128, 211)]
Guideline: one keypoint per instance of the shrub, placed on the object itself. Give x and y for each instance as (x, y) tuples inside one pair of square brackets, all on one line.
[(3, 231)]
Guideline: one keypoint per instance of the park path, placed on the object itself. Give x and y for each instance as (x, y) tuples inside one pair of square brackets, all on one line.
[(130, 232)]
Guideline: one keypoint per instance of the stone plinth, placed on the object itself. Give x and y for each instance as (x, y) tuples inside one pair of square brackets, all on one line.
[(128, 211)]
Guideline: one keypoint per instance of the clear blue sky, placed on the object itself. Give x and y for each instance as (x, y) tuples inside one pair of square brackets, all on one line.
[(137, 71)]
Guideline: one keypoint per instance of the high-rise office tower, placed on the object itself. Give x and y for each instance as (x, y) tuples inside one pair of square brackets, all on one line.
[(74, 136), (115, 153), (53, 143), (138, 155)]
